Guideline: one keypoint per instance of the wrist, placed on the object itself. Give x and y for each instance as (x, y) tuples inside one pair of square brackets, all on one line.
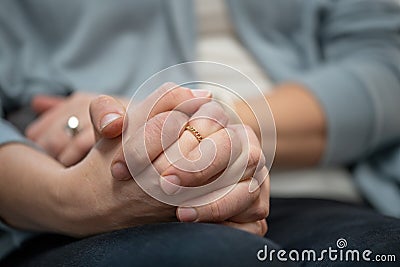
[(73, 201), (300, 126), (85, 193), (27, 189)]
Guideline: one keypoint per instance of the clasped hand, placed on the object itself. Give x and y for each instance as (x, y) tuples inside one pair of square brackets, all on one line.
[(98, 194)]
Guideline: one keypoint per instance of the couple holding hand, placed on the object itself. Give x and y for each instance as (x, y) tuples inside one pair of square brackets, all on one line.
[(95, 193)]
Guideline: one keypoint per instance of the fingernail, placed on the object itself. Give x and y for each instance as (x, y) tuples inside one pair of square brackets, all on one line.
[(120, 171), (170, 184), (253, 186), (108, 118), (187, 214), (201, 93)]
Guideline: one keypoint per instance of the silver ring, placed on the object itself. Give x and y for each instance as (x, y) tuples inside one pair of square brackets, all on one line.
[(72, 125)]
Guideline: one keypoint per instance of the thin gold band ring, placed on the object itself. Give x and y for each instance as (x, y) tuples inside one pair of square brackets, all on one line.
[(194, 132)]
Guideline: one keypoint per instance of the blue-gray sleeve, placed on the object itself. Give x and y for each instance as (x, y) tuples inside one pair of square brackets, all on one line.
[(12, 237), (8, 133), (358, 83)]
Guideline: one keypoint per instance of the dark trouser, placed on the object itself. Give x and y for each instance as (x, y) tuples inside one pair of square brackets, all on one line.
[(294, 224)]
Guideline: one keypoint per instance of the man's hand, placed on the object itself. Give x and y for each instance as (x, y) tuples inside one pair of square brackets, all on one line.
[(85, 199), (92, 201)]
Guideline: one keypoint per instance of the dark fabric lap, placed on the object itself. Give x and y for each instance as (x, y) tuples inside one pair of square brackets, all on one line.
[(293, 224)]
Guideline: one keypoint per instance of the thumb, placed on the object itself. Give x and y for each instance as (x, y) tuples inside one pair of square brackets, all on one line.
[(166, 98), (107, 115), (42, 103)]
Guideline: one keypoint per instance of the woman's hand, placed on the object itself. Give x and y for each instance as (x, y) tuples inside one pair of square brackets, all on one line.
[(85, 199), (49, 130), (245, 207)]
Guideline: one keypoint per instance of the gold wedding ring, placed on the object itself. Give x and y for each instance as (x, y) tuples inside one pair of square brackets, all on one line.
[(194, 132)]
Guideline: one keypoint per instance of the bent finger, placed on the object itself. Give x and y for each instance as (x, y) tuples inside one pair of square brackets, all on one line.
[(77, 149), (202, 164), (167, 98), (54, 143), (233, 203), (259, 209), (170, 96), (148, 142), (42, 103), (35, 130), (252, 156)]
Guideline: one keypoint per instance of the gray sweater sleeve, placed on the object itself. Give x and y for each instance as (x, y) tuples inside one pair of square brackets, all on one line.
[(358, 84), (8, 133), (11, 237)]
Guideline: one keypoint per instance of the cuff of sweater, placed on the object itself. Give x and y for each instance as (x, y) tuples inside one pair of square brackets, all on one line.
[(9, 134)]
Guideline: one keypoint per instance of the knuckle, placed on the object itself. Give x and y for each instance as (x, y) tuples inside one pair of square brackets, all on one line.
[(262, 162), (248, 129), (224, 143), (216, 211), (83, 144), (194, 175), (155, 124), (178, 94), (202, 169), (101, 100), (261, 212), (262, 227), (119, 156), (235, 144), (255, 157), (168, 124), (79, 145), (259, 228), (251, 134), (51, 145), (134, 157), (167, 86), (265, 229), (175, 93), (243, 130), (198, 174), (217, 112), (177, 118), (215, 106), (266, 215)]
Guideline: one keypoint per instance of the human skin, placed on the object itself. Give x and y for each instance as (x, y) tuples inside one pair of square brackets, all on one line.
[(300, 125), (48, 131), (299, 121), (238, 209), (85, 199)]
